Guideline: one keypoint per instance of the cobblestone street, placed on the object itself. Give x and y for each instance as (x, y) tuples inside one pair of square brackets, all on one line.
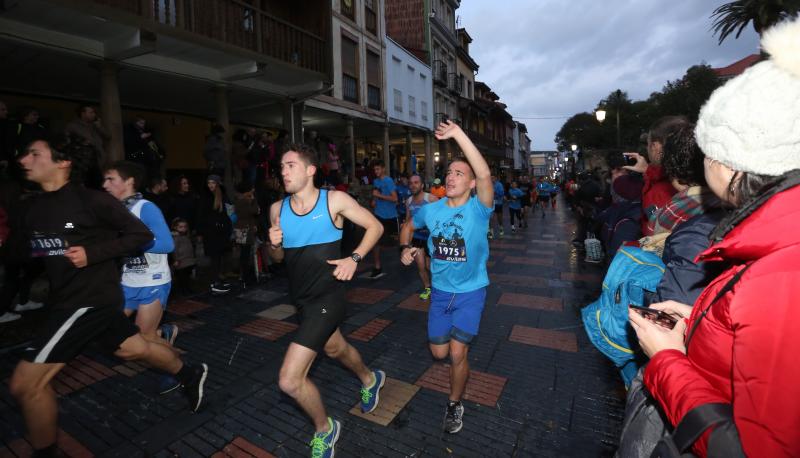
[(538, 387)]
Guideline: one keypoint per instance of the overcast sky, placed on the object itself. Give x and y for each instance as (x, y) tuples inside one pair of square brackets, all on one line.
[(548, 58)]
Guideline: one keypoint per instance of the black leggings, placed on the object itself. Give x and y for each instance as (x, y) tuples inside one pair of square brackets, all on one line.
[(515, 212)]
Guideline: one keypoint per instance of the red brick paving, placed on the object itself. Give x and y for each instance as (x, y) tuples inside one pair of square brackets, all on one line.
[(519, 280), (368, 331), (80, 373), (368, 295), (547, 262), (241, 447), (529, 301), (588, 278), (267, 329), (482, 388), (413, 302), (66, 444), (187, 307), (557, 340)]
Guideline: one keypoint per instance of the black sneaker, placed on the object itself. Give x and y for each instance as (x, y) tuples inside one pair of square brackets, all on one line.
[(376, 273), (452, 420), (219, 287), (194, 389)]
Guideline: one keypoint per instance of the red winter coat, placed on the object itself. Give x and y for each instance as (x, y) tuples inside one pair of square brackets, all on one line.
[(656, 194), (746, 351)]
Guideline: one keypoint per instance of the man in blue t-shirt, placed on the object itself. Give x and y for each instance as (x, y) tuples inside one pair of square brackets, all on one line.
[(499, 197), (384, 195), (515, 204), (459, 251)]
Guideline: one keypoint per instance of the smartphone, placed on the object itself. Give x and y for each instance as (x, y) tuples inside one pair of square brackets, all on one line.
[(656, 316), (629, 160)]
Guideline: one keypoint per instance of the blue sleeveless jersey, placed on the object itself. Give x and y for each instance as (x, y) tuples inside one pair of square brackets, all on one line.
[(309, 241)]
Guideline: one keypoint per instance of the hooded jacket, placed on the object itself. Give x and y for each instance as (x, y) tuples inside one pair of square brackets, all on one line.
[(745, 351)]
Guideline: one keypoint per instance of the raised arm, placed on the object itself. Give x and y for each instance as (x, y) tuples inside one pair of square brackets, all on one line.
[(483, 176)]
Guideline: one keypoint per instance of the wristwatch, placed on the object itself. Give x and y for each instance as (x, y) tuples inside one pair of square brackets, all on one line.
[(356, 257), (403, 247)]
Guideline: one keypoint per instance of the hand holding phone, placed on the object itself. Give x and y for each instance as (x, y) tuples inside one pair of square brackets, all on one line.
[(656, 316)]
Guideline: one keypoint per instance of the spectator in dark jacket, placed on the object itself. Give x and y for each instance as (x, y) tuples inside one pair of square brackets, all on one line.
[(214, 226), (27, 129), (621, 220), (185, 202)]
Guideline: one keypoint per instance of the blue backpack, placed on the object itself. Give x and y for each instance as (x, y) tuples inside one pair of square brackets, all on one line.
[(632, 272)]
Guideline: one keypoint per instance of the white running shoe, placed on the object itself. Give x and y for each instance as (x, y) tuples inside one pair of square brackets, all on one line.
[(28, 306), (9, 316)]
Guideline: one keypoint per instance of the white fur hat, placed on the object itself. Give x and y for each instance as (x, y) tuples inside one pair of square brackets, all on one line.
[(752, 123)]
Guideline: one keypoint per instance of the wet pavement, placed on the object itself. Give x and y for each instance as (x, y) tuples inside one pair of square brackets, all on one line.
[(538, 387)]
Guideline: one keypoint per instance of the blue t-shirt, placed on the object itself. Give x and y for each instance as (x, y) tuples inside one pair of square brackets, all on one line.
[(516, 198), (499, 192), (419, 234), (458, 244), (544, 189), (383, 208), (403, 193)]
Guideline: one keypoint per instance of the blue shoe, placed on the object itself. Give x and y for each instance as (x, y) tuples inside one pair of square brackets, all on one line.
[(370, 394), (168, 383), (323, 443), (169, 332)]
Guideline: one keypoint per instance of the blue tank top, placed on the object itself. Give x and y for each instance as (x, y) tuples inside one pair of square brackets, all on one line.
[(314, 228), (309, 241)]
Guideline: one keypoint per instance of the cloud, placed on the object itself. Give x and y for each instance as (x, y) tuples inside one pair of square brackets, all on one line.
[(557, 58)]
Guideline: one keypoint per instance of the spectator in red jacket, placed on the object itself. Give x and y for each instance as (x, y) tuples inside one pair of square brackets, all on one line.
[(658, 189), (743, 348)]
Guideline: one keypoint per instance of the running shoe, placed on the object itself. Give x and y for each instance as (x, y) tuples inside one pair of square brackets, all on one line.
[(323, 443), (168, 384), (28, 306), (169, 332), (425, 295), (370, 396), (452, 419), (513, 229), (219, 287), (502, 233), (9, 317), (375, 273), (194, 389), (490, 234)]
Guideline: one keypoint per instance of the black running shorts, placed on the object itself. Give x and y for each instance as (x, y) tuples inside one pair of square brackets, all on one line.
[(543, 199), (419, 243), (66, 332), (318, 321)]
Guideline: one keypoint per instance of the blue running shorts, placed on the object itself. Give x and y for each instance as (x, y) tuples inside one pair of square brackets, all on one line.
[(455, 315), (136, 296)]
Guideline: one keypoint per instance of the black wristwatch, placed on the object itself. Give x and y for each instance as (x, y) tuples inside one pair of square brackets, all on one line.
[(356, 257), (403, 247)]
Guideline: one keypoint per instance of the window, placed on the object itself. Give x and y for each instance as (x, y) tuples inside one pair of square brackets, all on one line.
[(348, 9), (373, 80), (469, 89), (349, 70), (398, 101), (423, 107), (370, 18), (412, 106)]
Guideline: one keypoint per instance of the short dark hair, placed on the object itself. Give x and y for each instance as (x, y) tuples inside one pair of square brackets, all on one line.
[(154, 180), (128, 169), (306, 152), (664, 126), (68, 148), (683, 159), (464, 160), (378, 163), (82, 107)]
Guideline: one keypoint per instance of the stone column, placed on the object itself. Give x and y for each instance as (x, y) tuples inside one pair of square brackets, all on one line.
[(387, 158), (224, 120), (428, 158), (352, 151), (111, 112)]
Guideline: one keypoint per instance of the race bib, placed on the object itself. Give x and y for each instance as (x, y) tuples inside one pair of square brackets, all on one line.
[(136, 263), (453, 250), (43, 245)]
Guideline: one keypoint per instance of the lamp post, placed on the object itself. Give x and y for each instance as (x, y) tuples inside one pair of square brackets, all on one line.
[(601, 115)]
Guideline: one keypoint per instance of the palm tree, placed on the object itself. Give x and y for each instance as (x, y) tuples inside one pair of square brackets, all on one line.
[(734, 16)]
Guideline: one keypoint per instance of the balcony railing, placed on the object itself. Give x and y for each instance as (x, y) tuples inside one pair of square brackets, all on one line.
[(440, 72), (373, 97), (455, 83), (349, 88), (234, 22)]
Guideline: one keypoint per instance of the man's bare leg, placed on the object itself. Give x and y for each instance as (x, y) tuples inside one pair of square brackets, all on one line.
[(30, 385), (339, 349), (293, 380)]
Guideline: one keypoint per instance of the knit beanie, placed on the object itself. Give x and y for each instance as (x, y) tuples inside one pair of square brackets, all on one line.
[(752, 123), (215, 178)]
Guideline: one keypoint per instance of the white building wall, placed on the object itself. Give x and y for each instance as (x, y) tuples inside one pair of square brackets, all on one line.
[(408, 80)]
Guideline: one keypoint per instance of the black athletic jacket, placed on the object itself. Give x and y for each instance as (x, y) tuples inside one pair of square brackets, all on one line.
[(76, 216)]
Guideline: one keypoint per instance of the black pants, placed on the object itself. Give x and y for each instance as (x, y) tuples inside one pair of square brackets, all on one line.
[(246, 262), (515, 212), (183, 280)]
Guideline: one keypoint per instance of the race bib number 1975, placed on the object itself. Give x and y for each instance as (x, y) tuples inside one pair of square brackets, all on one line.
[(452, 250)]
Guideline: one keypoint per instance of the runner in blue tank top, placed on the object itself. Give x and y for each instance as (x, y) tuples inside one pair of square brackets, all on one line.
[(306, 232), (459, 249), (419, 199)]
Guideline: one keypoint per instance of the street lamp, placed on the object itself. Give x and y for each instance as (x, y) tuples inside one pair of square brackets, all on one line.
[(601, 115), (574, 147)]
